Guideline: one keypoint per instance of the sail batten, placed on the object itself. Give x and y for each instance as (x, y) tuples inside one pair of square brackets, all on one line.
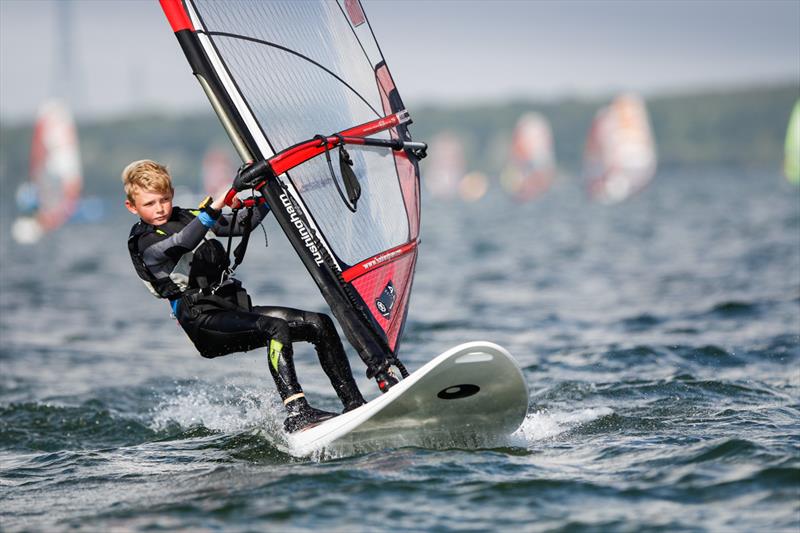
[(299, 55)]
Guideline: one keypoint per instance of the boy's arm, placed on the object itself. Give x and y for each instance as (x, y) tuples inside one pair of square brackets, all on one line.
[(160, 251), (227, 226)]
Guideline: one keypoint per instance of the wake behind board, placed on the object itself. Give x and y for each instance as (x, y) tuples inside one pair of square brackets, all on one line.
[(474, 392)]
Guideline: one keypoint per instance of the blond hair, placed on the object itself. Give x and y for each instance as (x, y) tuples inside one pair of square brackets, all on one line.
[(145, 175)]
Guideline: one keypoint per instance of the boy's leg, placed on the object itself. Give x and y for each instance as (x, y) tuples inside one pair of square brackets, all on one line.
[(281, 366), (222, 332), (319, 330)]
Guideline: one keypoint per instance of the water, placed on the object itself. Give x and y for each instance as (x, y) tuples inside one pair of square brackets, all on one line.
[(660, 339)]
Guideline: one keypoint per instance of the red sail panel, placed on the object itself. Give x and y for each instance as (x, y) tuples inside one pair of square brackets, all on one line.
[(409, 184), (395, 278), (386, 291), (354, 11), (406, 171)]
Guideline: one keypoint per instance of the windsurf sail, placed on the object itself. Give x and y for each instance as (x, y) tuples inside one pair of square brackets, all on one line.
[(51, 193), (620, 154), (293, 83), (532, 165), (791, 161)]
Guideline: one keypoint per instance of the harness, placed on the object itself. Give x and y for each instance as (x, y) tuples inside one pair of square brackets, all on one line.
[(210, 283), (228, 293), (160, 287)]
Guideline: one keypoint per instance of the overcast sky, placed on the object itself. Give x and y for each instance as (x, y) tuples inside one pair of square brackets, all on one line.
[(125, 57)]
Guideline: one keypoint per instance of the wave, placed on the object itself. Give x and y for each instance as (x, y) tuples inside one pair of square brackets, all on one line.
[(47, 427), (225, 409), (543, 425)]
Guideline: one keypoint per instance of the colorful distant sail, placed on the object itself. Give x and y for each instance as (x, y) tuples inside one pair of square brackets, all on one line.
[(446, 165), (620, 154), (473, 186), (791, 161), (50, 195), (532, 164)]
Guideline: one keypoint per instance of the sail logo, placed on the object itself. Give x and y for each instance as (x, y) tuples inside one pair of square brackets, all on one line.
[(385, 301), (302, 229), (382, 258)]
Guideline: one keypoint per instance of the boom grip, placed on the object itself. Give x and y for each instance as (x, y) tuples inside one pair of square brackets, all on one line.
[(231, 200), (251, 177), (234, 202)]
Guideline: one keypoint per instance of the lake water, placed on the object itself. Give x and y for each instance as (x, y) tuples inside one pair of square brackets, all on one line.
[(660, 339)]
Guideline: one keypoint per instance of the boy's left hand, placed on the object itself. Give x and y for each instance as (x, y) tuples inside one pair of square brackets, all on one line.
[(219, 199)]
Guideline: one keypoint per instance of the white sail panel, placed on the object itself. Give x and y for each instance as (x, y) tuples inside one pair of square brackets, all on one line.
[(302, 72)]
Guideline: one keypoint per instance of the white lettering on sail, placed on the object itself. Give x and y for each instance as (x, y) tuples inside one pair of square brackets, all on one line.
[(302, 229), (381, 258)]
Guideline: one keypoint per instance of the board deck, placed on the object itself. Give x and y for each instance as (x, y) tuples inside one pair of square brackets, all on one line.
[(474, 392)]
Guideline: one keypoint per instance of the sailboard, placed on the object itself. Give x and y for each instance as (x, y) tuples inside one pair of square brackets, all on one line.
[(791, 161), (298, 86), (532, 163), (620, 153), (472, 394), (50, 195)]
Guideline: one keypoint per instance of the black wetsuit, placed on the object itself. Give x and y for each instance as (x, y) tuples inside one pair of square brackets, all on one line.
[(184, 266)]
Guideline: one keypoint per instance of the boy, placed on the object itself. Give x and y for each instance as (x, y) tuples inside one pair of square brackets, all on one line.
[(177, 261)]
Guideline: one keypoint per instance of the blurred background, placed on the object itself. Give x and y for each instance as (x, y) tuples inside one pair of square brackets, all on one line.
[(718, 81), (610, 193)]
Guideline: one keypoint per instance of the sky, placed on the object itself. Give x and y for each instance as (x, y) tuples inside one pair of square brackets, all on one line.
[(123, 57)]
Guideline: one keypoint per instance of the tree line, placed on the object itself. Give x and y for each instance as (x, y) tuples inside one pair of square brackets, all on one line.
[(741, 127)]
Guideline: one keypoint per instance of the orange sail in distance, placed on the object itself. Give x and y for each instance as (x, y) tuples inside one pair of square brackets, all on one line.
[(532, 164), (620, 154), (50, 195)]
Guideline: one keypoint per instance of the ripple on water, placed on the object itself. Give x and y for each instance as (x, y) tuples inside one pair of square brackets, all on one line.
[(47, 427)]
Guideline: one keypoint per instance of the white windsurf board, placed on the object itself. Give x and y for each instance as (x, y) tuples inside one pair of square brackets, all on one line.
[(474, 392)]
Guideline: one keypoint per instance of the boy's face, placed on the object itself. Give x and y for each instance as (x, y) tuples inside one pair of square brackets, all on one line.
[(153, 207)]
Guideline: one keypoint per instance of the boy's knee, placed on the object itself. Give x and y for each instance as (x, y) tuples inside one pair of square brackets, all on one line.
[(321, 321), (275, 328), (324, 330), (210, 352)]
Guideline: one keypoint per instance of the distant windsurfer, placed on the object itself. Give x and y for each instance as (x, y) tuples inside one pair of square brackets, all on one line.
[(172, 254)]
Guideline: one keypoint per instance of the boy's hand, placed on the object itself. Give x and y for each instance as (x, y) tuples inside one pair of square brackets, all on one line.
[(219, 200)]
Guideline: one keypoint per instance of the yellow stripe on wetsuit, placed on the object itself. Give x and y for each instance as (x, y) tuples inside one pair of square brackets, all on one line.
[(275, 350)]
